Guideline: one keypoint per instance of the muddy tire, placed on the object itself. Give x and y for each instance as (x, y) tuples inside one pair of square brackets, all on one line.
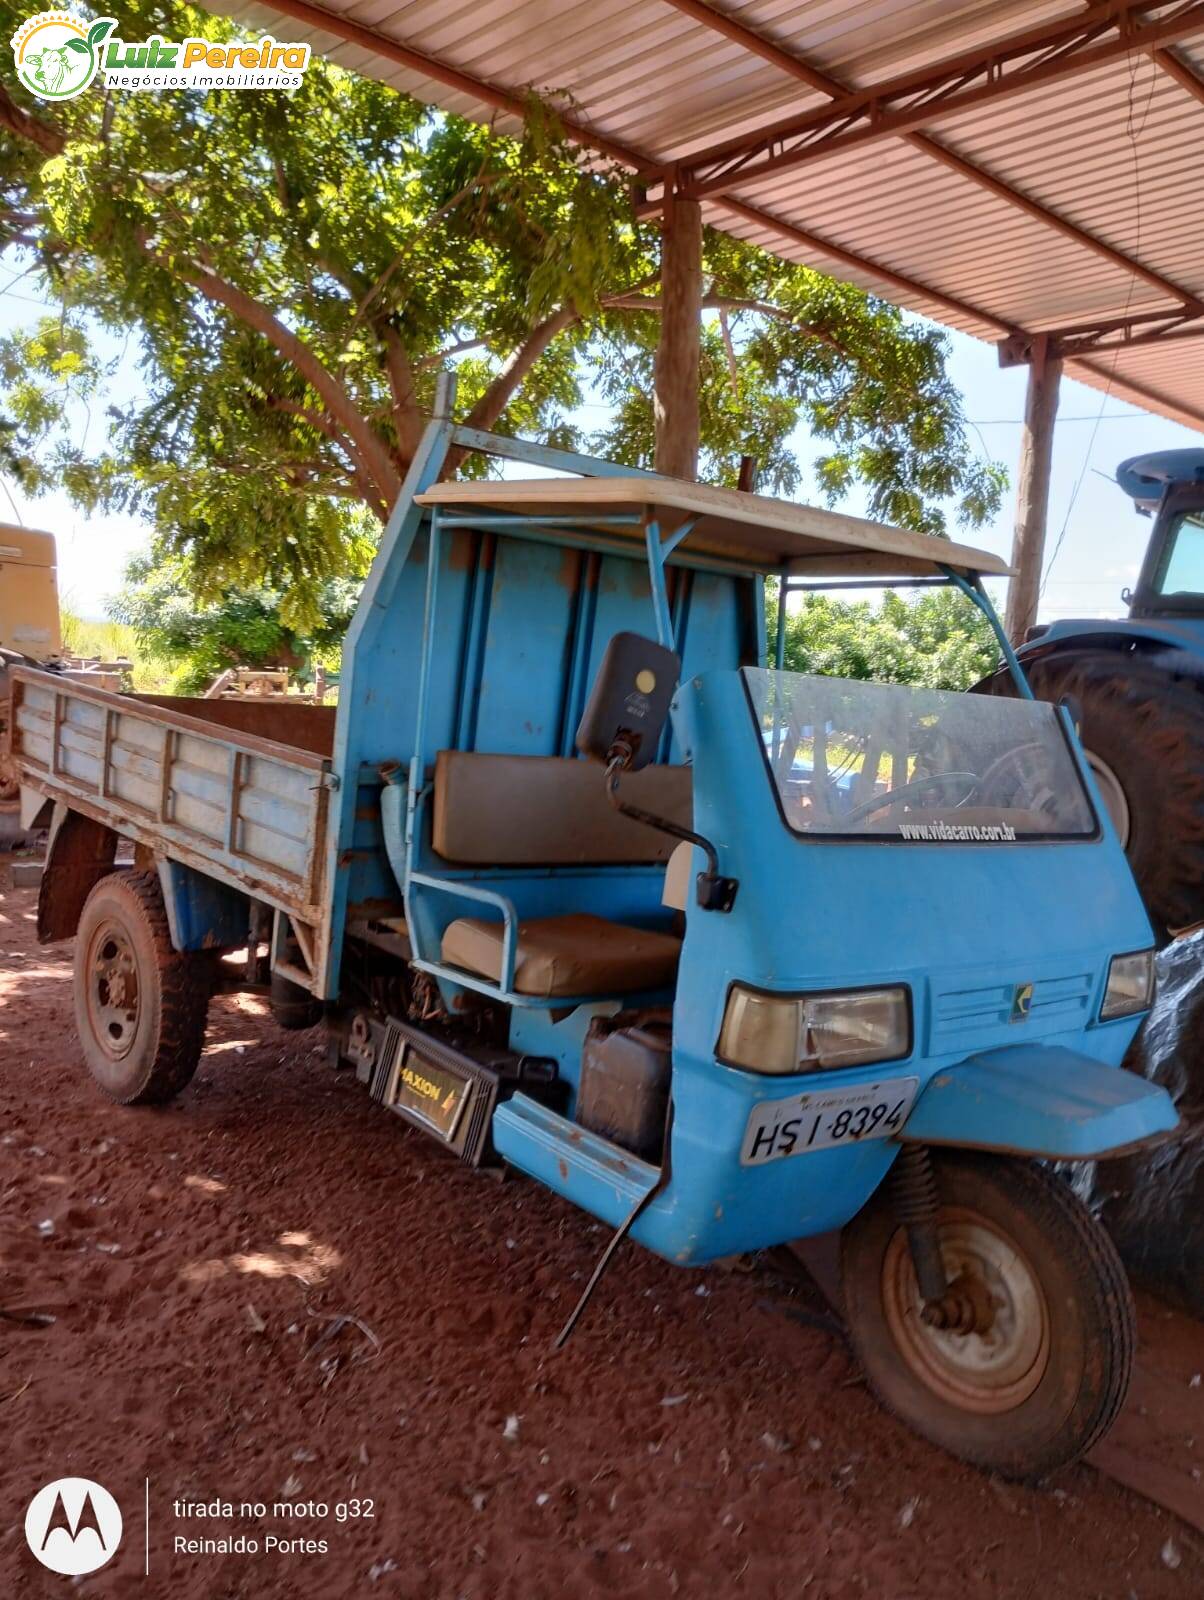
[(140, 1006), (1143, 732), (1047, 1374), (292, 1006)]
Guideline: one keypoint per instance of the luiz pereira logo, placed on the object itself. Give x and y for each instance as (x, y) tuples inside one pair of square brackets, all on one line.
[(58, 54), (73, 1526)]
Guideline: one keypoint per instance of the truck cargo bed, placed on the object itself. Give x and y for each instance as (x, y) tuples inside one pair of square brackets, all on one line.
[(196, 780)]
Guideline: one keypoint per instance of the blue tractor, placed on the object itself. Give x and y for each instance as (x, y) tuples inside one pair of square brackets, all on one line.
[(1135, 687)]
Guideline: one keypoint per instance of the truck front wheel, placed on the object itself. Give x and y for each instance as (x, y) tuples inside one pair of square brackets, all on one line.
[(140, 1005), (1033, 1371)]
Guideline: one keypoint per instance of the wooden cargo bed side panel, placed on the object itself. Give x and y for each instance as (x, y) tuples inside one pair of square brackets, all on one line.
[(80, 745), (249, 811), (276, 810), (33, 724), (135, 775)]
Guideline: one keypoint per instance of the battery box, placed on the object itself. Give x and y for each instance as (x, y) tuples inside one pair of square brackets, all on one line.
[(445, 1089)]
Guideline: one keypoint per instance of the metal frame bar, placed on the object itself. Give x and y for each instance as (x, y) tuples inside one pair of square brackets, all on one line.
[(489, 897), (659, 550), (576, 534), (1181, 71), (1115, 333), (1022, 61), (837, 89), (974, 591), (543, 455)]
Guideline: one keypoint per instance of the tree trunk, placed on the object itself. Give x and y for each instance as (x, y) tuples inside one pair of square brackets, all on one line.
[(675, 378), (1032, 490)]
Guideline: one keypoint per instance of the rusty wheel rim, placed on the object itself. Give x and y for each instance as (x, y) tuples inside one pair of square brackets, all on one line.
[(1112, 793), (113, 994), (986, 1372)]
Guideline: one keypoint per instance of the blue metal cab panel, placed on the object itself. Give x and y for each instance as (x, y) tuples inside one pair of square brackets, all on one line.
[(960, 926)]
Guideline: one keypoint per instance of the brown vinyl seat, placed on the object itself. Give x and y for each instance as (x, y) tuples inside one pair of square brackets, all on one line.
[(577, 954)]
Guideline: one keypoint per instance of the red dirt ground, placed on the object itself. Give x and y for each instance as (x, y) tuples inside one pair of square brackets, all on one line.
[(702, 1433)]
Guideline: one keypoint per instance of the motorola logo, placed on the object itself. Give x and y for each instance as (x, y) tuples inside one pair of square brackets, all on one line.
[(73, 1526)]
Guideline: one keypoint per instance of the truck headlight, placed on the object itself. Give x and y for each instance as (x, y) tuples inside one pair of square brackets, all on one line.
[(783, 1033), (1130, 985)]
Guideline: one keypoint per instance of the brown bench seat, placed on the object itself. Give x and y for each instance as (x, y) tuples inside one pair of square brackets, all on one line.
[(507, 811), (577, 954)]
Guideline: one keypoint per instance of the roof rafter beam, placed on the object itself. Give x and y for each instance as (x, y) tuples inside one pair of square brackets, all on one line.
[(815, 78), (859, 263), (1117, 333), (1181, 71), (1144, 393), (1098, 36), (437, 71)]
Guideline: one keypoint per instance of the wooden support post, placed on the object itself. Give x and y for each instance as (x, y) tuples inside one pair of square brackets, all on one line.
[(1032, 489), (675, 377)]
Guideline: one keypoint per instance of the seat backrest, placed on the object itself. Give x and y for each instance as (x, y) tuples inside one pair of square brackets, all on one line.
[(549, 811)]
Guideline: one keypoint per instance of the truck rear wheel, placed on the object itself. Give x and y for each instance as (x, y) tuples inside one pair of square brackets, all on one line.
[(1044, 1368), (1142, 731), (139, 1004)]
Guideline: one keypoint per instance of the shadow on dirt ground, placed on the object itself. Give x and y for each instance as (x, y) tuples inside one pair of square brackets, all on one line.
[(272, 1293)]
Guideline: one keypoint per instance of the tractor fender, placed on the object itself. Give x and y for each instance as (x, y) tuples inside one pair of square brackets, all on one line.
[(1040, 1100), (1173, 644)]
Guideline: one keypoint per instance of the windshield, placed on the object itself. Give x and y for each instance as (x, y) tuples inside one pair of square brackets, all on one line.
[(1181, 566), (885, 761)]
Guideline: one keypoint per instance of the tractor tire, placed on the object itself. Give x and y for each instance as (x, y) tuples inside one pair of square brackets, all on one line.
[(1142, 730), (140, 1005)]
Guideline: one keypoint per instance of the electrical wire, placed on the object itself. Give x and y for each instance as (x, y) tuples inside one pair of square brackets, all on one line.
[(1133, 132)]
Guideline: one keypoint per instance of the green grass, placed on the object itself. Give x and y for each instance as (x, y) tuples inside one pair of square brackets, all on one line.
[(110, 640)]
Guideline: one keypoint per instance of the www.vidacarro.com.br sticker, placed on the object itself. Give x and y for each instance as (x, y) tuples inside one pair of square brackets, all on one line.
[(59, 54)]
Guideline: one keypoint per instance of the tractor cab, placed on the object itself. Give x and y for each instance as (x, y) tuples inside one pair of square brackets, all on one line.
[(1135, 690), (1169, 487)]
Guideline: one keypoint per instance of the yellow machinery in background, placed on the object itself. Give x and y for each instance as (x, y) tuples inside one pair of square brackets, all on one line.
[(29, 619), (31, 632)]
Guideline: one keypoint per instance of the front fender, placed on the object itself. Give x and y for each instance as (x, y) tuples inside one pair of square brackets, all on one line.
[(1040, 1100)]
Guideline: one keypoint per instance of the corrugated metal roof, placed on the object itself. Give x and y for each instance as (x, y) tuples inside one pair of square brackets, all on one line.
[(1113, 152)]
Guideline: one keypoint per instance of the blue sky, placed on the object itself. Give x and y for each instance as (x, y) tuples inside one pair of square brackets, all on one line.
[(1098, 538)]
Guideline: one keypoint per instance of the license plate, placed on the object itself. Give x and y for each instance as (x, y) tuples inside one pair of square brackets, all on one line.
[(823, 1118)]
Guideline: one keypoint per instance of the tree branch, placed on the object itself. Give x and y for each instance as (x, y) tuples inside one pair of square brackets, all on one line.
[(407, 419), (726, 304), (457, 349), (514, 370), (28, 127), (365, 447), (729, 349)]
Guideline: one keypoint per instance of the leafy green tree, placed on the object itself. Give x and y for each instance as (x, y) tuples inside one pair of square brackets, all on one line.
[(198, 640), (297, 268), (938, 640)]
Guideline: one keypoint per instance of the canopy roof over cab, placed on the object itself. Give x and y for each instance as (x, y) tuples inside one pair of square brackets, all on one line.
[(748, 530)]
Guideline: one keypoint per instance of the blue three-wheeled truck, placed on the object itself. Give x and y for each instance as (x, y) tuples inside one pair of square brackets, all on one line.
[(579, 880)]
